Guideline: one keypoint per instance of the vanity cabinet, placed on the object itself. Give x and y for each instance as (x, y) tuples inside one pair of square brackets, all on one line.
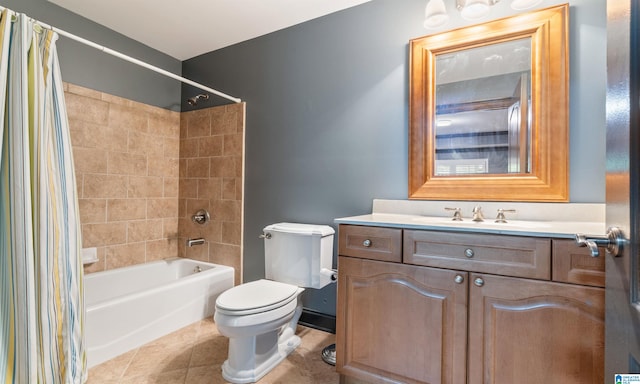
[(453, 307), (401, 323)]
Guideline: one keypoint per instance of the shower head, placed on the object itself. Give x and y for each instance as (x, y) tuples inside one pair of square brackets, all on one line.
[(193, 101)]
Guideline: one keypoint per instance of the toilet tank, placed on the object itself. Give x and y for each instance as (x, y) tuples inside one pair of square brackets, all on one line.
[(299, 254)]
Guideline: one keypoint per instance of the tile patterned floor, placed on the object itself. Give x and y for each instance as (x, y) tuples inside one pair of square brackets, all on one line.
[(194, 354)]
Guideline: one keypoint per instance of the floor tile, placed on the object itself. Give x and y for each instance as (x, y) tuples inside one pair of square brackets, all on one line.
[(194, 355)]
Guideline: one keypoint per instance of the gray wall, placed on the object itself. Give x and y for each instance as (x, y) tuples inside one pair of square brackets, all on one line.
[(327, 115), (88, 67)]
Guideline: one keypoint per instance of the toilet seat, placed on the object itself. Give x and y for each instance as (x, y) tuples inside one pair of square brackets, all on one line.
[(256, 297)]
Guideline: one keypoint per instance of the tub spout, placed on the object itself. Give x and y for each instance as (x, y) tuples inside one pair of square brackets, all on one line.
[(192, 242)]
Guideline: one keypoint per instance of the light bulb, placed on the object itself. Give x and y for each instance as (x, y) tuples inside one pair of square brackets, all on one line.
[(435, 14), (475, 9)]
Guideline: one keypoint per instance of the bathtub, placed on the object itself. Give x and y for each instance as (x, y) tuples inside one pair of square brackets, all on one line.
[(131, 306)]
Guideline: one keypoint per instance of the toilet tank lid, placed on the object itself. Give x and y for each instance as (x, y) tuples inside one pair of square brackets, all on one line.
[(302, 229)]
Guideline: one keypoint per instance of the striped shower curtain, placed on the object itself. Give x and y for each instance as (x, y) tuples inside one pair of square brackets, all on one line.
[(41, 300)]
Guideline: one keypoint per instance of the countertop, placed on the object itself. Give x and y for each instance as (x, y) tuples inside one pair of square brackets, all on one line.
[(538, 228)]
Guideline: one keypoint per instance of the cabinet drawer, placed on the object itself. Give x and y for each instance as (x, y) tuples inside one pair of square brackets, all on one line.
[(573, 264), (374, 243), (501, 255)]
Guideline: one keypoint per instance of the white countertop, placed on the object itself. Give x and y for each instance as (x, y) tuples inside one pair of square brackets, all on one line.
[(531, 219)]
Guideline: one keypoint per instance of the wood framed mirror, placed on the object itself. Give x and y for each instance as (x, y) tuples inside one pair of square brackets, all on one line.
[(489, 111)]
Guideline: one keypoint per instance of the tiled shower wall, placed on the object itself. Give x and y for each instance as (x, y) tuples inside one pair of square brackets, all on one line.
[(211, 164), (128, 168)]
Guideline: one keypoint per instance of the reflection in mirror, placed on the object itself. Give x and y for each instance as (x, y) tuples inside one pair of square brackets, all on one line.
[(489, 110), (483, 96)]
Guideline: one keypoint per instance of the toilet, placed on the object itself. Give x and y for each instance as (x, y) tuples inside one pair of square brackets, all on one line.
[(260, 317)]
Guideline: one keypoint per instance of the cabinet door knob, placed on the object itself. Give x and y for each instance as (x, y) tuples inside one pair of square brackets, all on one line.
[(459, 279), (469, 252), (479, 282), (366, 243)]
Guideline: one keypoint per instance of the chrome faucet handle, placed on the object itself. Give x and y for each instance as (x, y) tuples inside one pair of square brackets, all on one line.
[(477, 214), (201, 217), (457, 213), (500, 218)]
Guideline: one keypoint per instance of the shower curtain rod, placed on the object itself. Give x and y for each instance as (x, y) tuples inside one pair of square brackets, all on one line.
[(129, 58)]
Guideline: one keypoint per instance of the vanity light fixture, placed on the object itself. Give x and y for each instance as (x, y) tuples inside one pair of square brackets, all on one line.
[(436, 14), (474, 9)]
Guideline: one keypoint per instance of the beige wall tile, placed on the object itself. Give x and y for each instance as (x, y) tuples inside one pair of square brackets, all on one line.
[(82, 91), (98, 235), (198, 124), (184, 125), (170, 228), (231, 233), (229, 188), (162, 208), (128, 117), (145, 144), (162, 249), (239, 165), (226, 210), (182, 207), (87, 109), (116, 139), (120, 163), (147, 187), (233, 144), (210, 188), (89, 160), (140, 167), (143, 230), (222, 167), (125, 255), (226, 254), (198, 252), (166, 125), (86, 134), (171, 187), (126, 209), (188, 187), (189, 148), (99, 265), (211, 146), (223, 122), (198, 167), (92, 210), (116, 100), (163, 166), (105, 186), (171, 147), (194, 205)]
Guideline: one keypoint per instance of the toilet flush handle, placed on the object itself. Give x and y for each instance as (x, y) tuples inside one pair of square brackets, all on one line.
[(265, 236)]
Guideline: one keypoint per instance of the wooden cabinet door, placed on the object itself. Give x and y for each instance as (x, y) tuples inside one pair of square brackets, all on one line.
[(531, 332), (399, 323)]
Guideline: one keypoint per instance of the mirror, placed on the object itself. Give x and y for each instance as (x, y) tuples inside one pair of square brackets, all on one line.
[(489, 111)]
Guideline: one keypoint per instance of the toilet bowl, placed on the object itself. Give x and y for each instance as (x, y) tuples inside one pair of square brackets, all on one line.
[(260, 317), (261, 330)]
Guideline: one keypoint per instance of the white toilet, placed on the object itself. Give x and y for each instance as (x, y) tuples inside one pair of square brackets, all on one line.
[(260, 317)]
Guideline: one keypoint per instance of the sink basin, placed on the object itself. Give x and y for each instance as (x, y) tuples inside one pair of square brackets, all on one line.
[(513, 225)]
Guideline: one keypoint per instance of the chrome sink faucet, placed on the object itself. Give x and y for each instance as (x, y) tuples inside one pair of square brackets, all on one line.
[(477, 214)]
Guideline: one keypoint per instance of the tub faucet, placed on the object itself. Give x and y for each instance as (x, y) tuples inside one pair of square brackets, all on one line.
[(192, 242), (477, 214)]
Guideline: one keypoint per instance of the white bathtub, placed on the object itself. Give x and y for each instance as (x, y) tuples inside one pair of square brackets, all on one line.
[(131, 306)]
